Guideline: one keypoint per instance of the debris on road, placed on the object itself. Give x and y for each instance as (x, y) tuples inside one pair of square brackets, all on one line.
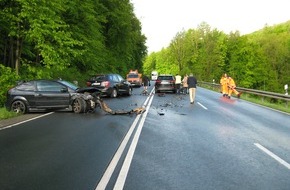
[(105, 107), (161, 94)]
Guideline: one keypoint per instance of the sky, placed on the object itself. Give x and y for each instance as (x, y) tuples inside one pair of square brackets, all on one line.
[(161, 20)]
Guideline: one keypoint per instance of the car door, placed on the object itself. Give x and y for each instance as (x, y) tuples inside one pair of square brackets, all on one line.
[(123, 85), (51, 94)]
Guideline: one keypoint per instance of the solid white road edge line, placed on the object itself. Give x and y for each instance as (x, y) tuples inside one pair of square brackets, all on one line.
[(9, 126), (112, 165), (281, 161), (127, 162), (202, 106)]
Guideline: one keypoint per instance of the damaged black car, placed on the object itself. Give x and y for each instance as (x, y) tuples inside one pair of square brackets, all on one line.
[(51, 95)]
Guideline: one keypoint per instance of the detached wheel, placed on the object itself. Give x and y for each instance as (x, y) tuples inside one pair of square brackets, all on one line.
[(114, 93), (19, 106), (79, 105)]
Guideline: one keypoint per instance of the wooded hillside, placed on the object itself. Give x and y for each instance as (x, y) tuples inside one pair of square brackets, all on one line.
[(260, 60), (48, 39)]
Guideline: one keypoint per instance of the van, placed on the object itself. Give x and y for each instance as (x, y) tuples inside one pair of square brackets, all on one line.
[(154, 75)]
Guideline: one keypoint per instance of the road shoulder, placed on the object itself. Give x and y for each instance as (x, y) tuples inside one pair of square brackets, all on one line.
[(15, 120)]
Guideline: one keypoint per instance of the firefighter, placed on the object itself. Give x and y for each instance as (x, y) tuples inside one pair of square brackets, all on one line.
[(232, 88), (224, 85)]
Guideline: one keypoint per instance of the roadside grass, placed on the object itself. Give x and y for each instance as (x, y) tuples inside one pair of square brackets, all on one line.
[(278, 105), (281, 106), (5, 114)]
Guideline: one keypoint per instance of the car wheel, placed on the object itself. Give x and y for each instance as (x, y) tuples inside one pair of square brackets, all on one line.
[(114, 93), (79, 105), (129, 91), (19, 106)]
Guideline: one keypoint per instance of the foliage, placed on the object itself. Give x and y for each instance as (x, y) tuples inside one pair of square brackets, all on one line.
[(5, 114), (39, 37), (7, 80), (260, 60)]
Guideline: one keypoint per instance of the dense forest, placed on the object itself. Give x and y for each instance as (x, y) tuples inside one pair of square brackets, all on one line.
[(74, 39), (70, 39), (260, 60)]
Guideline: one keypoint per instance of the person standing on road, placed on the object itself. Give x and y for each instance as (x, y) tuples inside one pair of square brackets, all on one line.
[(191, 81), (184, 84), (224, 85), (177, 83), (146, 82)]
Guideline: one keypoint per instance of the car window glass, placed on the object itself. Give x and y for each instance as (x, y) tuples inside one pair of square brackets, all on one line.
[(120, 78), (115, 78), (133, 76), (164, 78), (69, 84), (27, 86), (49, 86), (99, 78)]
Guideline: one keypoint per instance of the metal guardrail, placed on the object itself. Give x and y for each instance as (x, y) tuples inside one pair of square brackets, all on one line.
[(253, 91)]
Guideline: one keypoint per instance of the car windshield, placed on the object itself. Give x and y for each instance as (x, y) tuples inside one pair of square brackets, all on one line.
[(69, 84), (98, 78), (133, 76)]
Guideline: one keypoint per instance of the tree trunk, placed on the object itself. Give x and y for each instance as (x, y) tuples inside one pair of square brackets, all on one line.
[(17, 56)]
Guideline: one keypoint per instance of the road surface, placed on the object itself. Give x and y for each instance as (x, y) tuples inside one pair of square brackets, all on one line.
[(217, 143)]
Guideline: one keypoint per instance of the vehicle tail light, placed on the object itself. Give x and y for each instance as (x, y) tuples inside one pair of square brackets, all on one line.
[(105, 84), (158, 81), (89, 83), (172, 81)]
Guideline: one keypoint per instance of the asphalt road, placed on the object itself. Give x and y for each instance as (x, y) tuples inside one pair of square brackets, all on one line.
[(216, 144)]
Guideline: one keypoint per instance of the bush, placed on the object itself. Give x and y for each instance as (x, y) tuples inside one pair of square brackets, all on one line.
[(8, 79)]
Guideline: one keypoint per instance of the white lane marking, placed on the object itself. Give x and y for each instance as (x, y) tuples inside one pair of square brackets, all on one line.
[(9, 126), (202, 106), (281, 161), (128, 160), (112, 165)]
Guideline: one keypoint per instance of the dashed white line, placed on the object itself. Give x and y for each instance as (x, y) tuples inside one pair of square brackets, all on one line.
[(280, 160), (202, 106)]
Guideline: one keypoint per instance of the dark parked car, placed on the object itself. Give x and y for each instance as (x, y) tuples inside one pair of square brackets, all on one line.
[(50, 95), (165, 83), (111, 85)]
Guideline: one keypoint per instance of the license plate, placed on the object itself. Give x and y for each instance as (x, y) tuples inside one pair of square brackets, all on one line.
[(96, 84), (164, 82)]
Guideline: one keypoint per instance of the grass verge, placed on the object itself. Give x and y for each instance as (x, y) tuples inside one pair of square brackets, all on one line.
[(5, 114), (278, 105), (281, 106)]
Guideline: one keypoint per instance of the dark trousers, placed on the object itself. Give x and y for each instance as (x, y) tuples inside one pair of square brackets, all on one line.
[(177, 88)]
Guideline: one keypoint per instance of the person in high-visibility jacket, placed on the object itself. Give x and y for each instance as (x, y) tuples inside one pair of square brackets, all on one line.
[(232, 88), (224, 85)]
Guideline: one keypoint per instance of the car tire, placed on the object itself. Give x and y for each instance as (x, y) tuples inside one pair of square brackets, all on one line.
[(129, 92), (114, 93), (19, 106), (79, 105)]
